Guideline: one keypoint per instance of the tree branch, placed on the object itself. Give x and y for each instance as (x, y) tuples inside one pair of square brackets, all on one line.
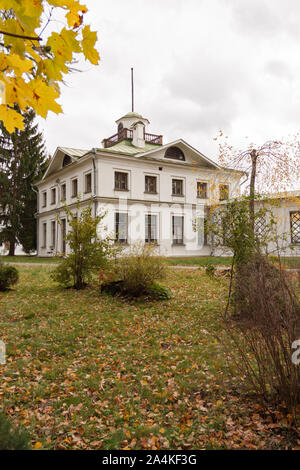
[(21, 36)]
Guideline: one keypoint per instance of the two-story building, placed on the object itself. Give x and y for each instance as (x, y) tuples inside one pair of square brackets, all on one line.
[(152, 192)]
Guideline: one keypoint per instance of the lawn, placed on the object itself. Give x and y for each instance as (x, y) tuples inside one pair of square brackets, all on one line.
[(86, 371), (293, 262), (200, 261), (29, 259)]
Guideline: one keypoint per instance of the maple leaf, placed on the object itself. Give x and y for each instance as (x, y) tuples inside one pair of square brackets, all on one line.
[(11, 118), (88, 45)]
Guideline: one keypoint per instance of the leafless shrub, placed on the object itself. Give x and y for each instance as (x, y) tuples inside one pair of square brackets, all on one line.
[(263, 327)]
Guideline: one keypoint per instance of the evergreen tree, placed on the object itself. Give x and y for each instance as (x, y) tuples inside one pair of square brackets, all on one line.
[(23, 161)]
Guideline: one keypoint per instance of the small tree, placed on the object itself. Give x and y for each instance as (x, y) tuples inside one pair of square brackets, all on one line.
[(88, 251), (9, 276), (12, 438)]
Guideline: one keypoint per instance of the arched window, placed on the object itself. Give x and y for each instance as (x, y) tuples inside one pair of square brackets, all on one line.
[(120, 128), (175, 153), (67, 160)]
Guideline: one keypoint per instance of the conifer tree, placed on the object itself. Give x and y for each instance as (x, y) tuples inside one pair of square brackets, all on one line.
[(23, 161)]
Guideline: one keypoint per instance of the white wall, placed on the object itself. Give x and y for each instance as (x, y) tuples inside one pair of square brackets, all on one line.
[(134, 201)]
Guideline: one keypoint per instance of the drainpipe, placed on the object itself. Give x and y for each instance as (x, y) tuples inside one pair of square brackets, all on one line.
[(95, 181)]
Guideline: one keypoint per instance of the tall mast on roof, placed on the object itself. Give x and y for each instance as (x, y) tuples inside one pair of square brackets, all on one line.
[(132, 91)]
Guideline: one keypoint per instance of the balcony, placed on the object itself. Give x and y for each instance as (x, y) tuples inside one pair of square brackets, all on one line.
[(128, 134)]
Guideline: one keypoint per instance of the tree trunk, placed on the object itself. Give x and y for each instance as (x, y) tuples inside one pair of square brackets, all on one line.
[(252, 189), (12, 246)]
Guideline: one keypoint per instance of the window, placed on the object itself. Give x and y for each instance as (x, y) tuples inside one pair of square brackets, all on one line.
[(175, 153), (150, 184), (63, 192), (88, 183), (177, 229), (202, 231), (201, 190), (53, 233), (53, 195), (121, 227), (67, 160), (295, 226), (150, 228), (177, 187), (224, 192), (63, 235), (75, 187), (121, 181), (44, 199), (44, 235), (260, 227)]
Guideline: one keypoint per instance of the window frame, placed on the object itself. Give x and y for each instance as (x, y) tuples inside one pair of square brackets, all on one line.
[(199, 196), (117, 224), (148, 228), (53, 200), (123, 173), (202, 235), (223, 185), (72, 187), (64, 184), (178, 154), (147, 191), (181, 181), (44, 233), (178, 241), (86, 189), (53, 234), (293, 242), (44, 199)]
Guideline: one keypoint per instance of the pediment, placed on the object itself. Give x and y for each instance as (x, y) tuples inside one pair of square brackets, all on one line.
[(63, 153), (173, 151)]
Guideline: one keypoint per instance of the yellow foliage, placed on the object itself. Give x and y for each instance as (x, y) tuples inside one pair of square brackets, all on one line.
[(32, 63), (11, 118)]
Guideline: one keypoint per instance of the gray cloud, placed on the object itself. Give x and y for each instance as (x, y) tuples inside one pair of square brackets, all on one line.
[(200, 65)]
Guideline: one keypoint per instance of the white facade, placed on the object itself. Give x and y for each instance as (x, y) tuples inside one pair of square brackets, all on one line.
[(132, 182)]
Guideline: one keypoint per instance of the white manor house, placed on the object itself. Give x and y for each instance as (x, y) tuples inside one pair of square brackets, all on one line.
[(151, 192)]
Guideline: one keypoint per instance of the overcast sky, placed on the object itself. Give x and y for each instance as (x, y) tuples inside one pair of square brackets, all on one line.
[(199, 65)]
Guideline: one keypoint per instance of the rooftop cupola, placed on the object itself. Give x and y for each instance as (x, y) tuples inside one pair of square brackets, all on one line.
[(132, 127)]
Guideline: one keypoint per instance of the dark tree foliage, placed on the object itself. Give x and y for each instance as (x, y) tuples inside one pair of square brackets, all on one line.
[(23, 161)]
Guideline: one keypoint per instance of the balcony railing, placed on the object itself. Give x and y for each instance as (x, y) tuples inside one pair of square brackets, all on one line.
[(128, 134)]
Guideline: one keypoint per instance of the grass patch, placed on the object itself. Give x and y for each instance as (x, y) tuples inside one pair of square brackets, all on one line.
[(30, 259), (200, 261), (91, 371)]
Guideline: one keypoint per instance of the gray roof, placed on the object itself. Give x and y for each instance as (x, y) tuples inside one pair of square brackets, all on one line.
[(77, 153)]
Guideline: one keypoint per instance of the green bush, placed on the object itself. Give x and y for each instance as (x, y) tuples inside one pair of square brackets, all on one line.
[(136, 273), (12, 438), (87, 250), (158, 292), (139, 269), (8, 276)]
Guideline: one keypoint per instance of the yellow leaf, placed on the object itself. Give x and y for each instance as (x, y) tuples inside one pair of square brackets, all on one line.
[(22, 65), (11, 119), (88, 45), (38, 445), (44, 97)]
